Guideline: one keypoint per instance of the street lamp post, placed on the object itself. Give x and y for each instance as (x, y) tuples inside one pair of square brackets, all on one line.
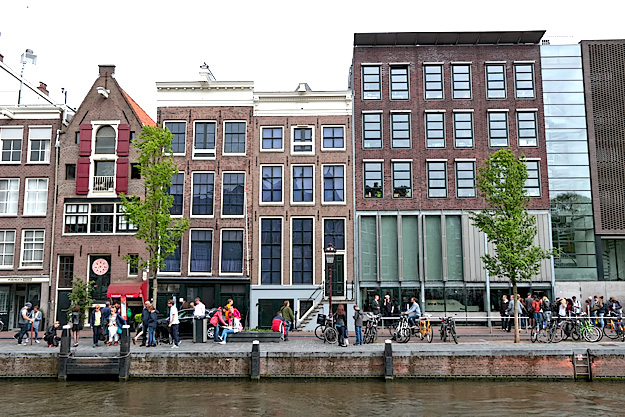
[(329, 253)]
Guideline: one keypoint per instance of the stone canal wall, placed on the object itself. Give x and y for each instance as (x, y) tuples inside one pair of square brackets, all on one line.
[(29, 365)]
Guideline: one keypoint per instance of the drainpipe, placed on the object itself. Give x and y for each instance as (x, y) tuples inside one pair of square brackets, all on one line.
[(488, 318), (51, 299)]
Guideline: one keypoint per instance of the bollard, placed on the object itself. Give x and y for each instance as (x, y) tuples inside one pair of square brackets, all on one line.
[(255, 369), (388, 360), (124, 353), (64, 352)]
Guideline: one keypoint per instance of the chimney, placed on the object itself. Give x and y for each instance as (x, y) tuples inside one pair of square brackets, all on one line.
[(43, 87), (107, 70)]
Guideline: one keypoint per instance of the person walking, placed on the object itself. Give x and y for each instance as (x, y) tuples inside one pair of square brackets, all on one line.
[(341, 324), (145, 316), (76, 319), (503, 312), (288, 315), (358, 321), (151, 325), (174, 324), (37, 318), (96, 324), (25, 320)]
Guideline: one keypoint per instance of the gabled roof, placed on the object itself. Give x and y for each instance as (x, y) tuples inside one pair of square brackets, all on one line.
[(144, 118), (448, 38)]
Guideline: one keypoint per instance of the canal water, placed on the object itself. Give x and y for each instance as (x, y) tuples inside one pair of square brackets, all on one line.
[(310, 398)]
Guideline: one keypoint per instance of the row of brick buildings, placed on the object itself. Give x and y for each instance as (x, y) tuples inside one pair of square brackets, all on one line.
[(384, 170)]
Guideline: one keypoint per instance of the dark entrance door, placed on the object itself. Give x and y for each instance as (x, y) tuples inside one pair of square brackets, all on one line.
[(338, 277), (100, 273), (267, 310)]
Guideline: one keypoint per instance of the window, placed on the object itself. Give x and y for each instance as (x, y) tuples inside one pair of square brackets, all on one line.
[(465, 179), (435, 130), (333, 183), (272, 139), (201, 250), (70, 171), (96, 218), (101, 219), (76, 218), (32, 248), (234, 140), (39, 140), (204, 140), (203, 192), (399, 83), (11, 138), (524, 80), (172, 261), (36, 198), (270, 251), (7, 248), (463, 130), (303, 184), (498, 128), (400, 130), (334, 232), (302, 140), (9, 194), (302, 259), (372, 130), (133, 264), (373, 179), (105, 141), (528, 135), (176, 189), (66, 271), (135, 171), (371, 83), (233, 188), (495, 81), (333, 137), (77, 138), (532, 183), (271, 183), (179, 130), (232, 251), (433, 79), (437, 179), (461, 81), (123, 225), (402, 180)]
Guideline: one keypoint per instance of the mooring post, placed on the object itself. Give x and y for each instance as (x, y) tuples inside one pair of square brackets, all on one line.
[(255, 369), (64, 351), (124, 353), (388, 360)]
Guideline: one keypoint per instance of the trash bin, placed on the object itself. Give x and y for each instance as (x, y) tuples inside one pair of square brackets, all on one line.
[(199, 330)]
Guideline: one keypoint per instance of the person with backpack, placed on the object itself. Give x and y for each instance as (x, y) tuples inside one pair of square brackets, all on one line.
[(288, 315), (546, 309)]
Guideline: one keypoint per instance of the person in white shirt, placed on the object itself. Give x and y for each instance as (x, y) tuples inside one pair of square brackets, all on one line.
[(577, 306), (199, 310), (174, 323)]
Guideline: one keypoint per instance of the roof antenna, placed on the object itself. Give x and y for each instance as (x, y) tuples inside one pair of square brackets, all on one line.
[(206, 72)]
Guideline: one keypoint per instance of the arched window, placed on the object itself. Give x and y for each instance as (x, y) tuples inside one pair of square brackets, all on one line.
[(105, 140)]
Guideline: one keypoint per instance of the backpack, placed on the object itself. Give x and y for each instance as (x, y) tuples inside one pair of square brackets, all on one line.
[(546, 305)]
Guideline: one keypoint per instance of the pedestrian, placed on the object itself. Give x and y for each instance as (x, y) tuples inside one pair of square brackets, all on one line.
[(546, 309), (562, 308), (341, 324), (116, 322), (50, 336), (388, 308), (287, 314), (151, 325), (616, 306), (375, 304), (106, 315), (577, 306), (96, 324), (37, 317), (414, 312), (25, 320), (601, 311), (145, 316), (217, 320), (528, 307), (76, 319), (174, 323), (358, 321), (503, 312), (199, 309)]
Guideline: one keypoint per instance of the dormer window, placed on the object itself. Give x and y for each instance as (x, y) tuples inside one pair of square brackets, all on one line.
[(105, 140)]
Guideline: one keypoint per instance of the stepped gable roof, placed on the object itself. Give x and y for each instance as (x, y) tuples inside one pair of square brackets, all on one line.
[(143, 117)]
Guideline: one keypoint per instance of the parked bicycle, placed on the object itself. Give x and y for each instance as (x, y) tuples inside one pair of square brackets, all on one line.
[(370, 332), (326, 330), (611, 326), (448, 329)]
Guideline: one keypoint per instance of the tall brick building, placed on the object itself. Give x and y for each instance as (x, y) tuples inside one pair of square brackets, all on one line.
[(428, 109)]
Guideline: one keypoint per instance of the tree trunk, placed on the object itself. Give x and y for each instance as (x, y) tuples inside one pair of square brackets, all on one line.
[(517, 333)]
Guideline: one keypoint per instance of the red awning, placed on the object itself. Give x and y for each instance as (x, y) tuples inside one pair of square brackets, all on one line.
[(136, 289)]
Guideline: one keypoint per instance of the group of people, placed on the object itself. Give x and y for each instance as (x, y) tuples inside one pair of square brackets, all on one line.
[(226, 320), (29, 320), (106, 324)]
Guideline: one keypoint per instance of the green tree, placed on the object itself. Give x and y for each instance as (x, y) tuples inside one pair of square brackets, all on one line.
[(151, 215), (507, 224), (81, 296)]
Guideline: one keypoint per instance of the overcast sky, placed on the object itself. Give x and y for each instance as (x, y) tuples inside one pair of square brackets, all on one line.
[(276, 44)]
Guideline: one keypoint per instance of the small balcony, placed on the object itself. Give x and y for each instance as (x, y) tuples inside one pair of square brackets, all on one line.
[(103, 184)]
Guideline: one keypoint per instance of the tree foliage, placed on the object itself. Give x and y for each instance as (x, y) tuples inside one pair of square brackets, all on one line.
[(81, 296)]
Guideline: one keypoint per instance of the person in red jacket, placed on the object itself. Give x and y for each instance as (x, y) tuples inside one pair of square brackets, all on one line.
[(279, 324), (218, 320)]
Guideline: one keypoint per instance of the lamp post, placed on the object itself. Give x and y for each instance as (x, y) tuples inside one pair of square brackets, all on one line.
[(30, 58), (330, 251)]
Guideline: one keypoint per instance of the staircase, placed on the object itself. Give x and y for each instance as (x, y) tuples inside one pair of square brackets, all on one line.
[(581, 366), (311, 315), (92, 366)]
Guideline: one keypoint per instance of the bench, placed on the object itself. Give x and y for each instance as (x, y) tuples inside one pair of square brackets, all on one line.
[(271, 337)]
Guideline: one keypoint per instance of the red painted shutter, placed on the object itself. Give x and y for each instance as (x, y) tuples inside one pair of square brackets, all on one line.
[(82, 175), (123, 139), (84, 147), (121, 183)]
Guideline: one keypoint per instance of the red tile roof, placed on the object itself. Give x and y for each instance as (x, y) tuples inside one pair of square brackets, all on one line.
[(144, 118)]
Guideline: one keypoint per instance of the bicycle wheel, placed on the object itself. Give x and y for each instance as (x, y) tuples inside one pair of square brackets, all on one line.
[(557, 335), (391, 326), (610, 330), (331, 335), (543, 336), (575, 333), (592, 334), (403, 335), (319, 331), (442, 331), (534, 334), (452, 331), (428, 335)]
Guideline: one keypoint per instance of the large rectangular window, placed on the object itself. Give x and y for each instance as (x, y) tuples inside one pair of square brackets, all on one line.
[(435, 130), (368, 248), (203, 193), (373, 175), (524, 80), (272, 139), (32, 248), (233, 196), (123, 225), (433, 80), (498, 128), (9, 194), (372, 130), (271, 183), (11, 141), (39, 143), (437, 179), (463, 129), (179, 130), (234, 137), (36, 198), (389, 248), (96, 218), (303, 184), (303, 140), (204, 140), (532, 183), (453, 242), (528, 132), (302, 258), (495, 81), (465, 179), (399, 83), (461, 81), (402, 180), (66, 271), (333, 184), (334, 232), (172, 262), (333, 137), (201, 250), (232, 251), (410, 247), (102, 218), (76, 218), (433, 243), (270, 251), (400, 130), (7, 248), (371, 89), (176, 189)]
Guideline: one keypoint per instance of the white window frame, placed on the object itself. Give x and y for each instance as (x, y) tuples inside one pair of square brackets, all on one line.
[(540, 188), (223, 148), (427, 173), (453, 90), (390, 80), (28, 195), (505, 81), (467, 111), (5, 243), (338, 251), (115, 214), (262, 149), (195, 273), (323, 148), (30, 141), (173, 273), (412, 183), (196, 152), (221, 247), (531, 64), (364, 139), (184, 179), (292, 191), (23, 249), (401, 113), (58, 268), (518, 127), (425, 124), (293, 144), (15, 192), (425, 89), (362, 80), (128, 263), (103, 157), (314, 245), (322, 184), (260, 197), (221, 212), (260, 248), (488, 127), (21, 139), (185, 135), (466, 161), (201, 216)]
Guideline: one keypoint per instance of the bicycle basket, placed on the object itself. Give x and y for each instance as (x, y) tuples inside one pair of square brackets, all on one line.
[(321, 319)]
